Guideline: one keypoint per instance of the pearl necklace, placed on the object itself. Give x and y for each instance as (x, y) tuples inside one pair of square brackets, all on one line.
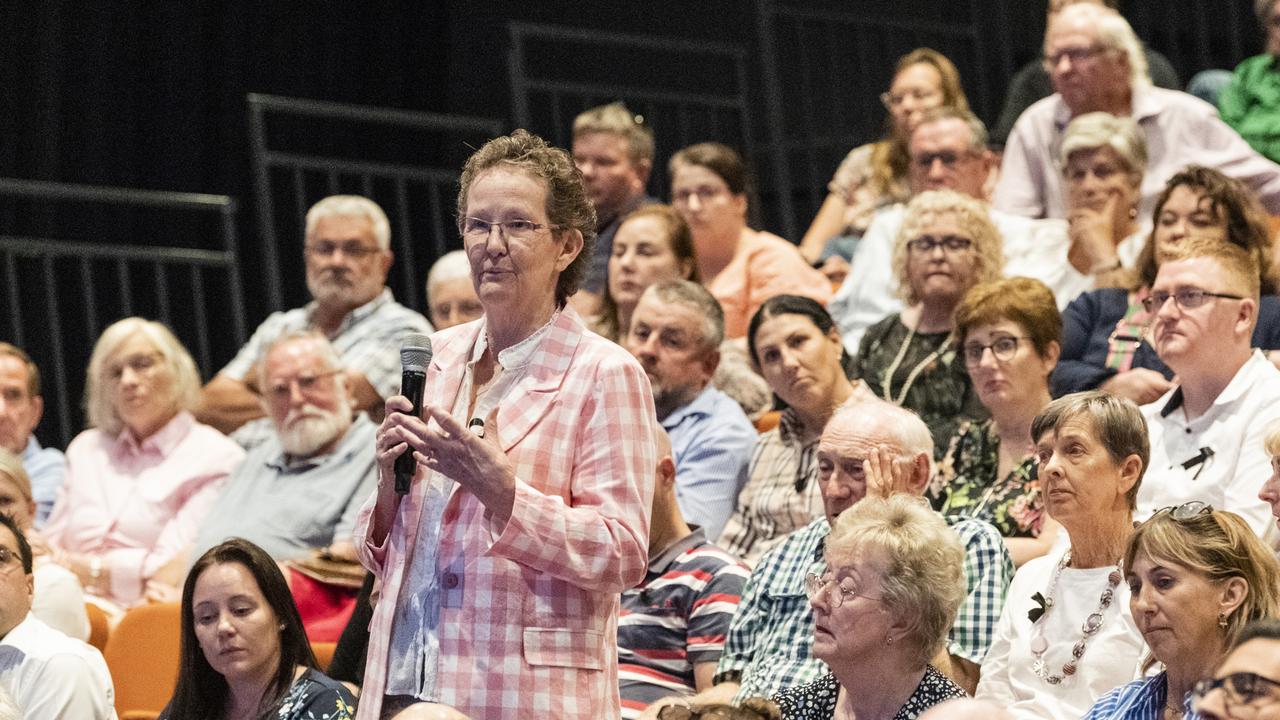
[(1089, 628), (915, 371)]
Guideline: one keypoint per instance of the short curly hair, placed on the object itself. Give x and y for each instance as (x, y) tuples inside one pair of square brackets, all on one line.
[(1026, 301), (972, 217), (568, 208)]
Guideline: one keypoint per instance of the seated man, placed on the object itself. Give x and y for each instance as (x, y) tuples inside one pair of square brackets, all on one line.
[(301, 489), (672, 625), (48, 674), (1096, 64), (771, 635), (675, 333), (19, 416), (1207, 433), (347, 255)]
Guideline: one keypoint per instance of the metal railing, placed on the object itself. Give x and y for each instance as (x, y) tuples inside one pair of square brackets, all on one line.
[(417, 191), (61, 292)]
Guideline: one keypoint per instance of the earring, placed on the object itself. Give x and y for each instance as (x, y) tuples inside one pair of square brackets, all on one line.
[(888, 639), (1133, 212), (282, 627), (1222, 620)]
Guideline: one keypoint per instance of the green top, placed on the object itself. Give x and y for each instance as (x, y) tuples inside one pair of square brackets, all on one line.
[(966, 484), (1251, 104)]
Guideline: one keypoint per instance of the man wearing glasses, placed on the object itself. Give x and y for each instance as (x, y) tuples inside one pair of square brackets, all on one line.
[(347, 254), (1207, 433), (1246, 685)]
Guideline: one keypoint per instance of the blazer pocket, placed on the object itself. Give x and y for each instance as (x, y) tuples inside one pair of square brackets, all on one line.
[(564, 647)]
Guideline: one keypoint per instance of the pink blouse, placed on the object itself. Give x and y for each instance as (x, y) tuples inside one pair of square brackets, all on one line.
[(137, 504)]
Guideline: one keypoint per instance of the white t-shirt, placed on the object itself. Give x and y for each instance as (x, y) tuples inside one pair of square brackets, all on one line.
[(50, 675), (59, 599), (1112, 657)]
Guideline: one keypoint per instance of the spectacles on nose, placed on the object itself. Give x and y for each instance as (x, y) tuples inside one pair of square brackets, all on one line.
[(894, 101), (704, 194), (7, 558), (1186, 298), (281, 390), (925, 244), (1242, 688), (474, 228), (1077, 55), (949, 158), (816, 586), (140, 364), (324, 250), (1003, 348)]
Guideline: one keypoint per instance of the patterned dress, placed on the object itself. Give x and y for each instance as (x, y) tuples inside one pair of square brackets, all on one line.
[(817, 700), (966, 485)]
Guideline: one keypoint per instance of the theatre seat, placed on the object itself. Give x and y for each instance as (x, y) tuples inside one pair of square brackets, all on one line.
[(142, 654)]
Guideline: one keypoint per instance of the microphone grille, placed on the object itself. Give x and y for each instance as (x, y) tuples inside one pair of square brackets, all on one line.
[(415, 352)]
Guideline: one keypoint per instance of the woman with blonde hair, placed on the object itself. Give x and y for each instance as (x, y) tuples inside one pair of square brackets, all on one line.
[(142, 478)]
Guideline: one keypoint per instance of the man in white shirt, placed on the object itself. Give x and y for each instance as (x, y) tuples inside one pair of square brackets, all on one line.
[(48, 674), (948, 151), (1207, 433)]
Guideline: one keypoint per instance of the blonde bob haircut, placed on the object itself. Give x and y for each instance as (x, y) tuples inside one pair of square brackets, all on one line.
[(923, 580), (11, 467), (100, 406), (1271, 438), (1095, 130), (1217, 546), (974, 222)]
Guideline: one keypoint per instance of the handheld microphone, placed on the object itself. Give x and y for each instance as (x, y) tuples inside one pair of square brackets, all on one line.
[(415, 356)]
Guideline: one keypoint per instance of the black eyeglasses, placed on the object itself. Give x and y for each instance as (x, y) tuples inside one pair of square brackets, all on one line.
[(1186, 510), (1003, 348), (1242, 688), (951, 243), (1186, 298)]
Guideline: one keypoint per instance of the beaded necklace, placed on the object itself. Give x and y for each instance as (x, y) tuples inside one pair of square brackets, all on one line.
[(1089, 628), (915, 371)]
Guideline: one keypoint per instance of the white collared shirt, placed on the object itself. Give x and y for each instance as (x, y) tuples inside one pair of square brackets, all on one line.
[(50, 675)]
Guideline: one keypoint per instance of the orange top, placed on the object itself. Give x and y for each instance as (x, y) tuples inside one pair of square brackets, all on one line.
[(765, 265)]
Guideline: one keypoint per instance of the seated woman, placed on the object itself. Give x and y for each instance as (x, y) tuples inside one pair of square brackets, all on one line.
[(244, 652), (1246, 686), (142, 479), (1104, 331), (874, 175), (1196, 577), (749, 709), (741, 267), (451, 298), (893, 585), (1008, 333), (797, 348), (947, 245), (1270, 492), (652, 244), (58, 599), (1064, 638)]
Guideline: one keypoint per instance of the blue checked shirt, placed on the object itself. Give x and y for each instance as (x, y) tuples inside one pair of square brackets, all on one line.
[(1139, 700), (770, 637)]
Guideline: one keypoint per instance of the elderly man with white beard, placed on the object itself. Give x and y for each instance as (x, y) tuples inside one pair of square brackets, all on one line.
[(301, 489)]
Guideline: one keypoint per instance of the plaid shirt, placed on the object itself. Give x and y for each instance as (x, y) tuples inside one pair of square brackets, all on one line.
[(772, 632), (528, 617)]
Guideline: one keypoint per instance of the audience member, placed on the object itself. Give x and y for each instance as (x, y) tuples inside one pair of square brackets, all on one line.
[(451, 298), (1065, 638), (613, 147), (318, 461), (948, 151), (749, 709), (874, 175), (20, 413), (1246, 686), (893, 581), (1207, 432), (501, 599), (1250, 103), (1032, 83), (48, 674), (946, 245), (348, 254), (966, 709), (1105, 343), (1270, 493), (675, 332), (1196, 577), (770, 641), (142, 479), (244, 652), (741, 267), (59, 599), (797, 348), (672, 625), (652, 244), (1096, 64), (1007, 331)]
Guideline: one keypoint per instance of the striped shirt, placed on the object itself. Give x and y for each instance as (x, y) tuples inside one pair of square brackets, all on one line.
[(1139, 700), (675, 619)]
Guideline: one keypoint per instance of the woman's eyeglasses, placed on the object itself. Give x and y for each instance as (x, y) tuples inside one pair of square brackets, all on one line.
[(925, 244), (1003, 348), (1242, 688)]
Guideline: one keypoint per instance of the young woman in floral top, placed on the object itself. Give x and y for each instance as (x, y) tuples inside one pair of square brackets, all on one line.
[(1008, 332)]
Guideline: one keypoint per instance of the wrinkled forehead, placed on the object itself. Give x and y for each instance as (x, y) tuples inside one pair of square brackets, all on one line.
[(854, 437)]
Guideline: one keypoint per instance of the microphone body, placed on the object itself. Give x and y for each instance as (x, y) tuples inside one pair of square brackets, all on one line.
[(415, 356)]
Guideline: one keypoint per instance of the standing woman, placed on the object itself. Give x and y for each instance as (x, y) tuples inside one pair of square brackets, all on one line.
[(797, 348), (651, 245), (142, 479), (947, 245), (873, 176), (741, 267), (1196, 577), (535, 452)]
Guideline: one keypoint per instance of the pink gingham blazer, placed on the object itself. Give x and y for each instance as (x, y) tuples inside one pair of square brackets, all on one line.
[(529, 627)]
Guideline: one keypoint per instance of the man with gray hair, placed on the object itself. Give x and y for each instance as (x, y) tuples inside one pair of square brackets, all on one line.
[(676, 331), (347, 255), (1097, 65)]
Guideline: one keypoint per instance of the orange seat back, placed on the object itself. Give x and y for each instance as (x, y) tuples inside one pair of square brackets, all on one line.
[(142, 654), (768, 421), (99, 626), (324, 653)]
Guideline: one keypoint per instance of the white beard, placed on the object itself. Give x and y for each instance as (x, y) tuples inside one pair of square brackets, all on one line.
[(309, 428)]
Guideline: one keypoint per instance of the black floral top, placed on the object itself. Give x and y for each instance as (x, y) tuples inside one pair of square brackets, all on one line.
[(313, 696), (966, 485), (817, 700), (940, 391)]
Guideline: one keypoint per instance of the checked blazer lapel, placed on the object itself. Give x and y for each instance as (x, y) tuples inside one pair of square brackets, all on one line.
[(535, 394)]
